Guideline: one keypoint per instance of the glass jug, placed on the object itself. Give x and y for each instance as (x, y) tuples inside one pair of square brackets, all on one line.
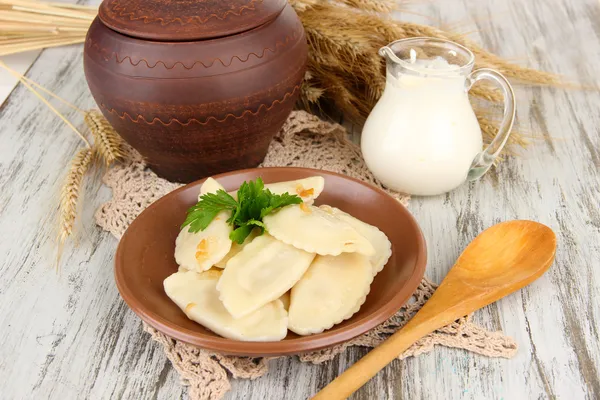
[(422, 137)]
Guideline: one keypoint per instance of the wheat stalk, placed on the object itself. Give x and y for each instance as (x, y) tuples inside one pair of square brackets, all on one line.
[(485, 91), (107, 142), (379, 6), (70, 194), (30, 25), (302, 5)]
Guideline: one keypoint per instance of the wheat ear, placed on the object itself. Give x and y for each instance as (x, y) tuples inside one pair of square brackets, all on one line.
[(107, 142), (379, 6), (70, 193)]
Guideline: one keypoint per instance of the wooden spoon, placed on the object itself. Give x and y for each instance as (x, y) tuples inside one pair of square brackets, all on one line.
[(501, 260)]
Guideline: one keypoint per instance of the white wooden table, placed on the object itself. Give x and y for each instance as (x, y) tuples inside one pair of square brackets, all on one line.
[(70, 336)]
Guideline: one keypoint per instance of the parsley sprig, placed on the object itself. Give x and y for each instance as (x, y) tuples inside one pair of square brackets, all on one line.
[(252, 204)]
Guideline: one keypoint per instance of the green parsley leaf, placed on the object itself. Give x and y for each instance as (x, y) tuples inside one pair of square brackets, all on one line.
[(253, 203), (277, 201), (239, 234), (202, 213), (252, 198), (256, 223)]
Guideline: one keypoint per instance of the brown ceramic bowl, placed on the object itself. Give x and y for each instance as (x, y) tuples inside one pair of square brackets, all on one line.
[(145, 258)]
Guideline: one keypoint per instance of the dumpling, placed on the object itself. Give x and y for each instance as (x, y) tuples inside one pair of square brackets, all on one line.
[(196, 294), (236, 248), (285, 299), (263, 271), (316, 231), (308, 188), (332, 290), (378, 239), (210, 185), (201, 250)]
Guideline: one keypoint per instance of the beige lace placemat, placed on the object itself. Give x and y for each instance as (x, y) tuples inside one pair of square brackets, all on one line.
[(304, 141)]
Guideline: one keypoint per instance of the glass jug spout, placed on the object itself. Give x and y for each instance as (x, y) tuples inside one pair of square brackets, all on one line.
[(387, 53)]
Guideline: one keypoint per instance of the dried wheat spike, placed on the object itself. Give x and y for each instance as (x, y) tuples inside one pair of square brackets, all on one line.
[(107, 142), (380, 6), (485, 91), (302, 5), (70, 192), (311, 93), (489, 128)]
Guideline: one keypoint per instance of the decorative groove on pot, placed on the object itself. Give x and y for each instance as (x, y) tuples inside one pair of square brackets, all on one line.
[(206, 64), (140, 118), (121, 10)]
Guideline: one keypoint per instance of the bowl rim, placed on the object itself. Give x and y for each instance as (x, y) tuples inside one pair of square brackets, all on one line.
[(298, 345)]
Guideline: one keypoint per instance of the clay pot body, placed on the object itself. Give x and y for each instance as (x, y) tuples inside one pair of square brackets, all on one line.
[(198, 108)]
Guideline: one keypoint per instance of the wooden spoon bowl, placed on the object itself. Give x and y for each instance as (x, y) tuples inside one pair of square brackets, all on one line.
[(514, 251)]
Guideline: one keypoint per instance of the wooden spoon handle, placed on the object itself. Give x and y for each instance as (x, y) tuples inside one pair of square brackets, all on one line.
[(368, 366)]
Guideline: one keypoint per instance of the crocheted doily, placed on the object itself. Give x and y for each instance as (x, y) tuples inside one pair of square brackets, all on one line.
[(304, 141)]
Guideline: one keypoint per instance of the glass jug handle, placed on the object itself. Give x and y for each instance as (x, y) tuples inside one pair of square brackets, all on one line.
[(484, 160)]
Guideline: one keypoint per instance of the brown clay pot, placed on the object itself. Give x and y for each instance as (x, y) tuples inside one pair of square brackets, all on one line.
[(197, 87)]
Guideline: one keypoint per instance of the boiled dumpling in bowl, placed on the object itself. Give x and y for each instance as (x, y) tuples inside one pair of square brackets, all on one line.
[(285, 299), (308, 189), (378, 239), (196, 295), (316, 231), (210, 185), (201, 250), (332, 290), (236, 248), (262, 272)]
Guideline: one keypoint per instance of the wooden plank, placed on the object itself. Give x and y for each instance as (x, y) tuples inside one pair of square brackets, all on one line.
[(71, 336)]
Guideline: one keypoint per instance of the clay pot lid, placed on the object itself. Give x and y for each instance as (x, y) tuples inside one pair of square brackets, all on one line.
[(186, 20)]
